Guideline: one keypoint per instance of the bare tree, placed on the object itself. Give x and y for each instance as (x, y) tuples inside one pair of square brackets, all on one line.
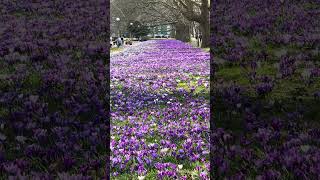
[(181, 12), (198, 11), (126, 10)]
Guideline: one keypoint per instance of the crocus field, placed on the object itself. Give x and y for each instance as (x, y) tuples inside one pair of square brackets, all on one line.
[(53, 89), (264, 93), (265, 89), (160, 111)]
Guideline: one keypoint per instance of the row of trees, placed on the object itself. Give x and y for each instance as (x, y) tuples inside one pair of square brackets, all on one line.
[(182, 12), (136, 29)]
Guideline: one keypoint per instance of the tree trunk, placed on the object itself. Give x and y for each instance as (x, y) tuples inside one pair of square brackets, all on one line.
[(205, 24), (182, 32), (205, 31)]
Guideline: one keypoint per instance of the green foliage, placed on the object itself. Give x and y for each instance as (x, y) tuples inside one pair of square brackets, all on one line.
[(32, 82), (233, 73), (137, 29)]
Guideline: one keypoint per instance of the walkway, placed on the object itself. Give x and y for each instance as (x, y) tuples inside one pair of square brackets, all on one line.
[(116, 50), (160, 111)]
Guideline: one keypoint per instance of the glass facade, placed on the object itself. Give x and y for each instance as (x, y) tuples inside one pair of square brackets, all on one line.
[(161, 31)]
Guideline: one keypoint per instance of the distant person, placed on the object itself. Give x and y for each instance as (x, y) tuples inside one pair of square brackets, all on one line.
[(119, 42), (198, 39)]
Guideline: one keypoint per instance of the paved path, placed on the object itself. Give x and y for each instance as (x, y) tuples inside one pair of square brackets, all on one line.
[(124, 47)]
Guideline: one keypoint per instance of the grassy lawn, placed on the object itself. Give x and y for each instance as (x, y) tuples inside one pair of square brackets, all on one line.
[(115, 49), (206, 49), (194, 44)]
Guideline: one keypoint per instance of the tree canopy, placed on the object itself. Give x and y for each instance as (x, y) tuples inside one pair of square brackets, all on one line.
[(181, 12), (137, 29)]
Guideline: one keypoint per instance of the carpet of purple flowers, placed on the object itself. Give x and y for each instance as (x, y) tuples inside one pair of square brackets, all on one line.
[(160, 111), (53, 89), (265, 89)]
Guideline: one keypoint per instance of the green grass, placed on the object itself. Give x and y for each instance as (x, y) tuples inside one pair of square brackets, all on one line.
[(284, 87), (234, 73), (200, 90), (115, 49), (206, 49), (3, 112), (267, 69), (255, 45), (311, 5), (33, 80), (188, 169)]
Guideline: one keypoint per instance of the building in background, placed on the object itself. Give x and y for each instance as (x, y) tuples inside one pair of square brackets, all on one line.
[(162, 31)]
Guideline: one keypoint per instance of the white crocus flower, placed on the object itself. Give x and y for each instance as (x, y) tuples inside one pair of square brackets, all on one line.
[(164, 150), (141, 177), (21, 139), (180, 166), (205, 152)]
